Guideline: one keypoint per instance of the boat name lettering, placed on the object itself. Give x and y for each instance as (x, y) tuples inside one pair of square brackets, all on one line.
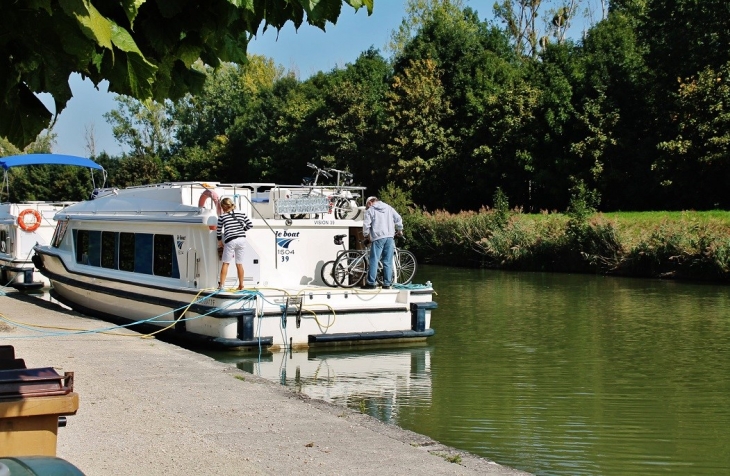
[(288, 234), (180, 241), (324, 222)]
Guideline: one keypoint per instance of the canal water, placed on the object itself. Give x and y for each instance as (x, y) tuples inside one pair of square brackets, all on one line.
[(555, 374)]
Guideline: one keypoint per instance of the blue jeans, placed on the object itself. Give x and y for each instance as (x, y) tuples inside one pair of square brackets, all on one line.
[(382, 249)]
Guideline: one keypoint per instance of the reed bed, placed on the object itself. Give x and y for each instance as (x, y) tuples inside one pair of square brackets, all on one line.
[(680, 245)]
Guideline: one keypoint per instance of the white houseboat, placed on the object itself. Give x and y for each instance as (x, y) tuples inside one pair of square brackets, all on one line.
[(25, 224), (148, 255)]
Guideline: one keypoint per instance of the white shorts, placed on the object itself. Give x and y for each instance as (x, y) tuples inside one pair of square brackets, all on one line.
[(233, 250)]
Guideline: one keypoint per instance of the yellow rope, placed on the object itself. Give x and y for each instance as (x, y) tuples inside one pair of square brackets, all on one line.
[(19, 323), (332, 310), (152, 334)]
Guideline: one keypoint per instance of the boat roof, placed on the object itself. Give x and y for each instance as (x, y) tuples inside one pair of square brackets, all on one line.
[(47, 159)]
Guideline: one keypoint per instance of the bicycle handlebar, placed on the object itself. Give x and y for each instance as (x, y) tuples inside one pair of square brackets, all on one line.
[(322, 172), (343, 172)]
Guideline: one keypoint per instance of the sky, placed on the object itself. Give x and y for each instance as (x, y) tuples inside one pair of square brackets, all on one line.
[(306, 51)]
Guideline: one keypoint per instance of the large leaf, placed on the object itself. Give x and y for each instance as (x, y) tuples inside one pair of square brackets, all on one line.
[(93, 24), (23, 117)]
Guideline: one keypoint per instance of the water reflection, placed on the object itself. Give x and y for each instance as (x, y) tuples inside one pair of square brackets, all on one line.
[(378, 381)]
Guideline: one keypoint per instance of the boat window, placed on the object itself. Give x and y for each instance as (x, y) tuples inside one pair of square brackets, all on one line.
[(165, 262), (143, 253), (109, 249), (81, 240), (88, 247), (3, 241), (126, 251), (59, 233), (135, 252), (95, 248)]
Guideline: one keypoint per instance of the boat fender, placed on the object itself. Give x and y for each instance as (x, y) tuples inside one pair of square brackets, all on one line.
[(23, 216)]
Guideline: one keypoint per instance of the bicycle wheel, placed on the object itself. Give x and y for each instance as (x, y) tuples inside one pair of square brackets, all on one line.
[(405, 267), (327, 274), (346, 209), (350, 268)]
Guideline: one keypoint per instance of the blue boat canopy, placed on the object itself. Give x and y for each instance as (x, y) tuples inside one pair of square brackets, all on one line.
[(47, 159)]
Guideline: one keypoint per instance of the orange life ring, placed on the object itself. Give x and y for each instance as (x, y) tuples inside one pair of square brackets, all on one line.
[(208, 193), (32, 226)]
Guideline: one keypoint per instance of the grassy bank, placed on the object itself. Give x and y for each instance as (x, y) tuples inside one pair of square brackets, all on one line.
[(678, 245)]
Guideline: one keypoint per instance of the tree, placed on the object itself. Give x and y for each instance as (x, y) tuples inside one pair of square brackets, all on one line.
[(349, 123), (141, 125), (521, 16), (418, 13), (475, 64), (618, 81), (696, 163), (418, 139), (146, 49)]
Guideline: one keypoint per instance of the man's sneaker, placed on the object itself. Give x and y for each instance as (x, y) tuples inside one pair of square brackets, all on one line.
[(368, 286), (387, 287)]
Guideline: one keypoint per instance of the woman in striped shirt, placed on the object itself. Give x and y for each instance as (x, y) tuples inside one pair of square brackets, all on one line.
[(231, 233)]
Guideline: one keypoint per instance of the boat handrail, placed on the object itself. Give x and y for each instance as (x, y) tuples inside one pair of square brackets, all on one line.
[(276, 261)]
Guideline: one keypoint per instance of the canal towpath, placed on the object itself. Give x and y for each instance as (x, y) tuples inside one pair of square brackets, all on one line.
[(148, 407)]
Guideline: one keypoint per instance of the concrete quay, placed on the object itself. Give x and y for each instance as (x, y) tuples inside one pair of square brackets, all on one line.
[(152, 408)]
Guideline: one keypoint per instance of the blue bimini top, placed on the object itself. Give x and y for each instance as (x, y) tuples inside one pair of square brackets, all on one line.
[(47, 159)]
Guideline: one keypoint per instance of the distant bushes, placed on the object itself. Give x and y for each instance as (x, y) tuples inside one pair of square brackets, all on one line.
[(681, 246)]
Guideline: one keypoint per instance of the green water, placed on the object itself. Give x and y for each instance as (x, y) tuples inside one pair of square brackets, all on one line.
[(550, 373)]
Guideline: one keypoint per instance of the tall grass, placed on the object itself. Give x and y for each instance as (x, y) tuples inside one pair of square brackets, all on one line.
[(680, 245)]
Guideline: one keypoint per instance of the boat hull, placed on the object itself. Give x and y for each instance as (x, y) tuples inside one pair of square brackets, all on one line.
[(260, 317)]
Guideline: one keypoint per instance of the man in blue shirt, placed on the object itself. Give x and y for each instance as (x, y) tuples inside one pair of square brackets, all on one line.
[(380, 224)]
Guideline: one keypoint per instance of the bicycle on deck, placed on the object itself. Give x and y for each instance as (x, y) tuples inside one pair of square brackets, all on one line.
[(351, 267), (312, 190), (327, 271), (344, 201)]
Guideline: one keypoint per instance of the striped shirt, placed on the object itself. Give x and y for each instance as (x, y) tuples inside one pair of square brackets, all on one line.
[(232, 225)]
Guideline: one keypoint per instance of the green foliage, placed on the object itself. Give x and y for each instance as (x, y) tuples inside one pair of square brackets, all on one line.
[(458, 112), (46, 182), (583, 203), (143, 126), (681, 246), (44, 42), (397, 198), (702, 145), (688, 249), (418, 139), (349, 124), (501, 207), (132, 170)]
